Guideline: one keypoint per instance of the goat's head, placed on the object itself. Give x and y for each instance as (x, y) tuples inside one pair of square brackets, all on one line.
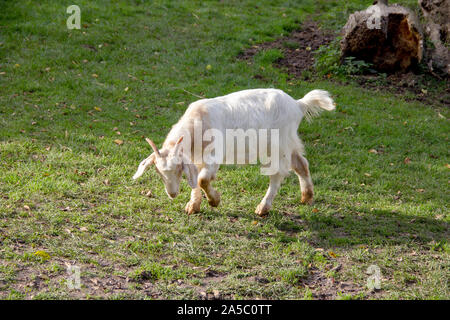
[(170, 163)]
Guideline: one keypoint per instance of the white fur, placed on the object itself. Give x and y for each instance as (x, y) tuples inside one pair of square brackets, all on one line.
[(253, 109)]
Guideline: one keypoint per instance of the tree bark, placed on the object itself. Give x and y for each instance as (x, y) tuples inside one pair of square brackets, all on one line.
[(437, 29), (389, 37)]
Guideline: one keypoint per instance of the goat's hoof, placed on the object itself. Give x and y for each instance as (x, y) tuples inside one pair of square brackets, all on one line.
[(308, 201), (192, 207), (214, 202), (262, 209), (307, 198)]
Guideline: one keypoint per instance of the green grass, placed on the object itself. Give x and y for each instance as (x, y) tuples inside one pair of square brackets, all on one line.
[(66, 188)]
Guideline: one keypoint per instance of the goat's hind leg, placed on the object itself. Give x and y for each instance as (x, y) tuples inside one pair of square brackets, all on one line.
[(301, 167)]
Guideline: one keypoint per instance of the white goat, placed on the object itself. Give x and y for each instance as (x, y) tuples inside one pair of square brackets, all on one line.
[(248, 109)]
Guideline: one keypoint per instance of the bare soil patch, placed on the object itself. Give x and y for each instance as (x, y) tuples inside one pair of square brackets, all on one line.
[(297, 48), (401, 83), (326, 288), (298, 56)]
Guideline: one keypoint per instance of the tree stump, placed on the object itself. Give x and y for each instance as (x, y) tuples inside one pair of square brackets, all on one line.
[(437, 29), (388, 37)]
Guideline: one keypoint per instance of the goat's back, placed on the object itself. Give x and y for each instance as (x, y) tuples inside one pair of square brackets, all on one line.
[(255, 109)]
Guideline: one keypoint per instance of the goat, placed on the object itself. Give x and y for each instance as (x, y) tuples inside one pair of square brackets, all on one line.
[(269, 109)]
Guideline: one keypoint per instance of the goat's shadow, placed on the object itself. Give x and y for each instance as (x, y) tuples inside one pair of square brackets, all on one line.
[(367, 227), (343, 225)]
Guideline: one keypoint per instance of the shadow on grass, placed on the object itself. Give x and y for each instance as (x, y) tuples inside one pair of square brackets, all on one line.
[(342, 225), (368, 227)]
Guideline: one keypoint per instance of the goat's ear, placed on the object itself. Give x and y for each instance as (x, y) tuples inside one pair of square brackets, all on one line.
[(191, 172), (144, 165)]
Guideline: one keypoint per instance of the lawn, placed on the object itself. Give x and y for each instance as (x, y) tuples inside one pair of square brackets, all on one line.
[(75, 106)]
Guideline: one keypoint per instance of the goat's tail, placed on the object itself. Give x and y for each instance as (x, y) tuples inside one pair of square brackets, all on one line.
[(315, 102)]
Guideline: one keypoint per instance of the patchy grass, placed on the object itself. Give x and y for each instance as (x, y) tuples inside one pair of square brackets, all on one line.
[(66, 194)]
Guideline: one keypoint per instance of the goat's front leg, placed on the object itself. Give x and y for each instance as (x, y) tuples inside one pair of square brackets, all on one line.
[(206, 175), (193, 206), (266, 203), (301, 168)]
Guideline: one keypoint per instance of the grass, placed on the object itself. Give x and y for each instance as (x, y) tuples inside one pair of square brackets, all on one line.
[(66, 194)]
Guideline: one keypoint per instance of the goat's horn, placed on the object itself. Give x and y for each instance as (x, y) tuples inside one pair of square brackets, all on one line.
[(153, 145), (178, 144)]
